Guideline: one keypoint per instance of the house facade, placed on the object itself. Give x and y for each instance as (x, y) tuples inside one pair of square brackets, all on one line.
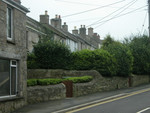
[(77, 40), (13, 69)]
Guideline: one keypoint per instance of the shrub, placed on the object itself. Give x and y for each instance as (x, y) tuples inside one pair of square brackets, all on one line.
[(104, 62), (82, 60), (79, 79), (140, 48), (32, 82), (49, 81), (31, 61), (99, 60), (52, 55), (123, 58)]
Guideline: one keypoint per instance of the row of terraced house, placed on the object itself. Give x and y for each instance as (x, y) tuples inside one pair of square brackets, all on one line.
[(18, 33)]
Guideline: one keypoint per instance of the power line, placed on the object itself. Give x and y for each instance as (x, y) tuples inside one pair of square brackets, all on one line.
[(123, 9), (103, 22), (111, 14), (92, 9), (144, 22)]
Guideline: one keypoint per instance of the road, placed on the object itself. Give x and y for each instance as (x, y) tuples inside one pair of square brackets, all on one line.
[(134, 102), (131, 100)]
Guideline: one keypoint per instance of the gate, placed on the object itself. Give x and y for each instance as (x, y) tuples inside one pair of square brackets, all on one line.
[(69, 88)]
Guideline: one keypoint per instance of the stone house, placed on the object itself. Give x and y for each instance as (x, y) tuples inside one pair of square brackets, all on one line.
[(13, 69), (77, 40)]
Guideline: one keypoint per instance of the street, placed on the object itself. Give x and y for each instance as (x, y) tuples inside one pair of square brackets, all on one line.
[(131, 100), (135, 102)]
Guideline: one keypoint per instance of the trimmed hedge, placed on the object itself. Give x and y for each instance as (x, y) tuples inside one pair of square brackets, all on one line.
[(53, 81), (80, 79), (32, 82), (49, 81)]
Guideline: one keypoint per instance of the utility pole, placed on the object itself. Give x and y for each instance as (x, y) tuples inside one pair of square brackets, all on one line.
[(149, 17)]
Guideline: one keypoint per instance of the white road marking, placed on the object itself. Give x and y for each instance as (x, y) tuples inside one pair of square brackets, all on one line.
[(143, 110)]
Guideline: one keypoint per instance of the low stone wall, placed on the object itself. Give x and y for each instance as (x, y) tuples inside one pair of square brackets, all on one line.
[(140, 79), (37, 94), (11, 105), (98, 84)]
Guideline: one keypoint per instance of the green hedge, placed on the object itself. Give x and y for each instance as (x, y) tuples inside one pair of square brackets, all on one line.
[(32, 82), (49, 81), (140, 48), (123, 56), (99, 60), (53, 81), (80, 79)]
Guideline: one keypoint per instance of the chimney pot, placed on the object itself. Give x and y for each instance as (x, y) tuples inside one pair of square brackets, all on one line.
[(59, 16), (64, 23), (46, 12)]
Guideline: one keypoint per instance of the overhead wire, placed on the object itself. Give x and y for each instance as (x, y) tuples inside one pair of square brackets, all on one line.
[(93, 9), (121, 11), (96, 22), (144, 23), (103, 22)]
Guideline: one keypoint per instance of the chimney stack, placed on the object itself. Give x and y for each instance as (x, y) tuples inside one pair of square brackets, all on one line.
[(56, 22), (18, 1), (90, 32), (44, 19), (65, 27), (83, 31), (75, 31)]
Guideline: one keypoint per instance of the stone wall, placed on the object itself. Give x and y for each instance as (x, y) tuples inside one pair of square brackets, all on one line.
[(139, 80), (14, 49), (37, 94), (98, 84)]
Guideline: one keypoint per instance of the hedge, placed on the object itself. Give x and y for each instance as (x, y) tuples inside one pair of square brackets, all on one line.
[(53, 81), (79, 79), (123, 56), (99, 60)]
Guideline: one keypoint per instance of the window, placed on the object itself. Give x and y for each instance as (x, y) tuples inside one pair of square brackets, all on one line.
[(8, 78), (9, 23)]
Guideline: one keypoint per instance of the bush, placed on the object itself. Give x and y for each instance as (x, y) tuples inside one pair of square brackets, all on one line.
[(82, 60), (49, 81), (52, 55), (104, 62), (79, 79), (123, 58), (140, 48), (32, 82), (31, 61), (99, 60)]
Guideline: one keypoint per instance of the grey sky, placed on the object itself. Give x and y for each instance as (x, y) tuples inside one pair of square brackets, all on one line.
[(118, 26)]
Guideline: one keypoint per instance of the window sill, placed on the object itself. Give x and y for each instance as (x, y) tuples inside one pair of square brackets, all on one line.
[(10, 98), (11, 41)]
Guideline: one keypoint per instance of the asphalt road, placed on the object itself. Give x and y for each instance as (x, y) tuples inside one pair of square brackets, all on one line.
[(134, 102), (131, 100)]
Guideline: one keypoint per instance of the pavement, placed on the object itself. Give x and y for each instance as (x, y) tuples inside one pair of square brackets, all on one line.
[(60, 106)]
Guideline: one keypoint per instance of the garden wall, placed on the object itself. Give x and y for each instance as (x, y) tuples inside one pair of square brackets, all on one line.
[(37, 94), (98, 84)]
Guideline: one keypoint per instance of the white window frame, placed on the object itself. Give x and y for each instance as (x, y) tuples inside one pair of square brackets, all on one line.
[(12, 65), (11, 27), (15, 66)]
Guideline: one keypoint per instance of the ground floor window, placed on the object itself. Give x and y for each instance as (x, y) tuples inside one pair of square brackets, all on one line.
[(8, 77)]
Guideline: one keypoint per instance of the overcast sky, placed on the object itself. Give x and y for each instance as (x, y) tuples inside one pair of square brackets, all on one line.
[(125, 17)]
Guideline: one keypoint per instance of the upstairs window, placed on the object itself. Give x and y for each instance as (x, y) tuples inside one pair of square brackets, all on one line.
[(9, 23)]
